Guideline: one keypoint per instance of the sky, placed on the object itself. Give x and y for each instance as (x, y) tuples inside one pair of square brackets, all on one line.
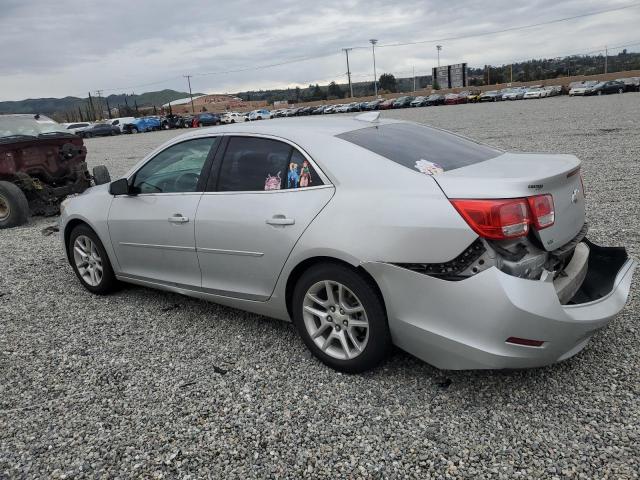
[(64, 47)]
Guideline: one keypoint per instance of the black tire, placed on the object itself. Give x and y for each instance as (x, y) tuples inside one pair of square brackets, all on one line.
[(378, 344), (134, 129), (621, 90), (599, 92), (14, 207), (108, 283), (101, 175), (87, 135)]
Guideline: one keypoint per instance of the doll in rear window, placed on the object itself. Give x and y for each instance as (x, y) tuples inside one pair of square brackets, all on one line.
[(305, 174)]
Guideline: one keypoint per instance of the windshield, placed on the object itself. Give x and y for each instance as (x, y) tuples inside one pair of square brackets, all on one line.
[(26, 125), (418, 147)]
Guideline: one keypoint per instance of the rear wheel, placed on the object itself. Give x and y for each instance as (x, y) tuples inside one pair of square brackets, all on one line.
[(14, 207), (599, 92), (90, 261), (620, 90), (134, 129), (341, 318)]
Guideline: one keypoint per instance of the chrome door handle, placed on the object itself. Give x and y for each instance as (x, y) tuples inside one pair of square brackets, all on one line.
[(280, 220), (178, 218)]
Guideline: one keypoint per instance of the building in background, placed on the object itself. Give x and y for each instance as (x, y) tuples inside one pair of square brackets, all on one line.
[(451, 76)]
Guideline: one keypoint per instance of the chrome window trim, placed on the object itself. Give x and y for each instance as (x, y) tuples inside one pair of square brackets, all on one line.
[(269, 192)]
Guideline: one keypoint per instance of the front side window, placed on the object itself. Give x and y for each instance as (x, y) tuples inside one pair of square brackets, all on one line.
[(176, 169), (253, 164)]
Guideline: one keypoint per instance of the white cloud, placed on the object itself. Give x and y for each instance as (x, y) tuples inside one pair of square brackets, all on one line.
[(68, 48)]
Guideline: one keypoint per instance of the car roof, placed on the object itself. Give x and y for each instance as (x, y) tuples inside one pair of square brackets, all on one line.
[(296, 130)]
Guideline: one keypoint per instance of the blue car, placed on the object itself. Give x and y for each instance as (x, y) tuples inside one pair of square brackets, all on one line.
[(143, 124)]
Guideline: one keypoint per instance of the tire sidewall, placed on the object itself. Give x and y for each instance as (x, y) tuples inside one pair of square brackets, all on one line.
[(379, 342), (17, 203), (109, 282)]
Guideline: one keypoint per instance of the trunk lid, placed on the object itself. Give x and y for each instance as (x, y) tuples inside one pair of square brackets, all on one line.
[(517, 175)]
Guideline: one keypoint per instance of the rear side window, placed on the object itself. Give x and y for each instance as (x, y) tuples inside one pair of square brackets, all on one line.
[(427, 150), (253, 164)]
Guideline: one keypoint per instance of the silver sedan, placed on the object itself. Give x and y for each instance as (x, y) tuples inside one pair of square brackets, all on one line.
[(366, 233)]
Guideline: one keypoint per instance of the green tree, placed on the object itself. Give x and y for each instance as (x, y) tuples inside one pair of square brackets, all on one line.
[(334, 91), (387, 82), (316, 93)]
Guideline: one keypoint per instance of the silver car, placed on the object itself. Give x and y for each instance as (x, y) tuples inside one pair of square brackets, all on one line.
[(366, 233)]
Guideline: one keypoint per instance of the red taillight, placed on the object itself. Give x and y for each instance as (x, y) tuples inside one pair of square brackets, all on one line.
[(506, 218), (542, 211), (495, 219)]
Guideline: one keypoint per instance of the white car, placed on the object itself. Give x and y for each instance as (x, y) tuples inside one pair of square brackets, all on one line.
[(77, 127), (581, 89), (232, 117), (261, 114), (533, 93), (343, 108), (120, 122), (463, 264)]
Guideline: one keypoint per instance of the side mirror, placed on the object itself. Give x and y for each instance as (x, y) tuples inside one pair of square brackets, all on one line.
[(120, 187)]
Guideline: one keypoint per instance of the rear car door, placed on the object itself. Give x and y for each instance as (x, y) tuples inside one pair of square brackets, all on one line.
[(264, 194), (152, 231)]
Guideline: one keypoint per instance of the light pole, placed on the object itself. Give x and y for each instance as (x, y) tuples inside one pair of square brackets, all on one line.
[(438, 48), (375, 76)]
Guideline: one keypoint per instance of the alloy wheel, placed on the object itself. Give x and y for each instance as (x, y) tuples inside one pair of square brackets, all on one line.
[(5, 208), (335, 320), (88, 261)]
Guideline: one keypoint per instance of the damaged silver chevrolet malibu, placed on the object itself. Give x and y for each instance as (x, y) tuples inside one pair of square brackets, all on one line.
[(365, 233)]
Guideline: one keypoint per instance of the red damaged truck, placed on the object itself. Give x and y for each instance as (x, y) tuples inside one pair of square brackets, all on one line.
[(40, 164)]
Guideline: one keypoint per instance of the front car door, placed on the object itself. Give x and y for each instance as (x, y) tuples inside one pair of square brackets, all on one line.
[(263, 196), (152, 231)]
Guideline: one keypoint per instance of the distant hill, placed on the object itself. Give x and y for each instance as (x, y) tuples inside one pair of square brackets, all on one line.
[(60, 106)]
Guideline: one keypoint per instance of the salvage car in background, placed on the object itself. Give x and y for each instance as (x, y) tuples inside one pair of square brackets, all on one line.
[(143, 124), (99, 130), (120, 122), (208, 119), (490, 96), (579, 88), (403, 102), (240, 214), (41, 162), (514, 93), (605, 88), (435, 99), (261, 114), (77, 127), (232, 117)]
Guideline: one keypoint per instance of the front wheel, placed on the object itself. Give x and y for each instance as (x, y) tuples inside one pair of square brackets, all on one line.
[(599, 92), (90, 261), (341, 318), (620, 90)]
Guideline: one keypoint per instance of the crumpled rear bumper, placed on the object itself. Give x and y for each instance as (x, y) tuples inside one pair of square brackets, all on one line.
[(464, 324)]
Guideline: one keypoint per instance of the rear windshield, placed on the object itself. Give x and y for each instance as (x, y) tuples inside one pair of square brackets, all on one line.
[(425, 149)]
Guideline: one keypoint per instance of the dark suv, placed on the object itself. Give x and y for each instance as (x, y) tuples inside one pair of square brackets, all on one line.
[(40, 163)]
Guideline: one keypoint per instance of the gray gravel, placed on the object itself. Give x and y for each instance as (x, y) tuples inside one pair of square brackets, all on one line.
[(155, 385)]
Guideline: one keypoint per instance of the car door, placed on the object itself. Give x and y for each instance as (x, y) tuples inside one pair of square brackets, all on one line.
[(263, 196), (152, 230)]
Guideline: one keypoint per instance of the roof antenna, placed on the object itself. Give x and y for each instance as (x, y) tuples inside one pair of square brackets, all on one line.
[(371, 117)]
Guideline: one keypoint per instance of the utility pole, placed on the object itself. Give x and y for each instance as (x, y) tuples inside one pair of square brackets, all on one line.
[(93, 113), (373, 42), (438, 48), (346, 51), (414, 78), (99, 95), (188, 77), (606, 57)]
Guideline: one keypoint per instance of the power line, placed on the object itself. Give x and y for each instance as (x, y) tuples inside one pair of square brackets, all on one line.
[(510, 29)]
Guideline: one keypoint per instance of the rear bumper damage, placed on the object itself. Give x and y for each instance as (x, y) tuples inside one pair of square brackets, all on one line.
[(465, 324)]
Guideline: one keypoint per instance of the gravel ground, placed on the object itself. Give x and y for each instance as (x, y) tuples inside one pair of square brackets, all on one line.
[(156, 385)]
